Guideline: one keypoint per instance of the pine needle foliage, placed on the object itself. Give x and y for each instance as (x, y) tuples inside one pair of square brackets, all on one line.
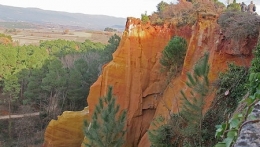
[(166, 132), (107, 128), (192, 108), (174, 53), (162, 136), (185, 128)]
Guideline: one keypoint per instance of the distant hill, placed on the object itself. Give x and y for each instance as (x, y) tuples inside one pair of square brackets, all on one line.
[(53, 18)]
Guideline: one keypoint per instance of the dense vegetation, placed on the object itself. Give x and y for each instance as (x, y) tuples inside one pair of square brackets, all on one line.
[(230, 90), (228, 131), (183, 13), (49, 78)]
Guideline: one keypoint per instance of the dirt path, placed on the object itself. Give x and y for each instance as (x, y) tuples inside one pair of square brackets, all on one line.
[(19, 115)]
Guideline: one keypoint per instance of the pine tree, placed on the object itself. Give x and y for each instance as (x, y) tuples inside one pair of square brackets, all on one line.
[(162, 135), (192, 108), (167, 132), (185, 128), (107, 128), (174, 53)]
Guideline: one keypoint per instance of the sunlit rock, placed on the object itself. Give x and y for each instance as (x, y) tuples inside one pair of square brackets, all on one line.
[(67, 131), (138, 83)]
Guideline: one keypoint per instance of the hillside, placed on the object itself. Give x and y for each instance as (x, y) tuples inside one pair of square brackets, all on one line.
[(46, 17), (145, 91)]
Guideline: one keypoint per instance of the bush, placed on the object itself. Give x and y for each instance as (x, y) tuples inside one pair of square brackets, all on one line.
[(230, 90), (239, 25), (155, 19), (145, 17), (234, 7), (174, 53), (161, 6), (255, 69), (232, 82), (185, 13), (108, 29)]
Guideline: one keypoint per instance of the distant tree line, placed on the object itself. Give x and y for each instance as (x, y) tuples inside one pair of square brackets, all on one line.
[(110, 29)]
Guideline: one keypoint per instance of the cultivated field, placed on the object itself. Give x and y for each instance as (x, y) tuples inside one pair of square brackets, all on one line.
[(34, 36)]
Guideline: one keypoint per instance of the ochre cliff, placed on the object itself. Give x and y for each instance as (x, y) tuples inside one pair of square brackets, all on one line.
[(206, 37), (67, 130), (138, 83), (135, 75)]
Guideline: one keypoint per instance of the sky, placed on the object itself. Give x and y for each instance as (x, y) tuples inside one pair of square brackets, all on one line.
[(117, 8)]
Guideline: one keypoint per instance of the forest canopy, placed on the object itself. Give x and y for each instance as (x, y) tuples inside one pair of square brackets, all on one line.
[(52, 77)]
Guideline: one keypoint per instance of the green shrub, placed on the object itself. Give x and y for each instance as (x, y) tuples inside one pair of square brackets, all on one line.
[(145, 17), (234, 7), (161, 6), (232, 82), (255, 69), (174, 53), (255, 64)]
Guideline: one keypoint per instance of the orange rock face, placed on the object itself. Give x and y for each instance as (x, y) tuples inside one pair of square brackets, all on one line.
[(138, 83), (135, 75), (135, 70), (67, 130)]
